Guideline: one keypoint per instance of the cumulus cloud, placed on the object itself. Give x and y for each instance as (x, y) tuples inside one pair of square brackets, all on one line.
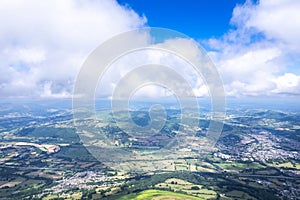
[(259, 52), (287, 84), (277, 20), (159, 54), (43, 44)]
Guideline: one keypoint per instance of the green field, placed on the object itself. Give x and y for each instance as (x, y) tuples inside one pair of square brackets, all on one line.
[(158, 195), (287, 165), (186, 187), (239, 166)]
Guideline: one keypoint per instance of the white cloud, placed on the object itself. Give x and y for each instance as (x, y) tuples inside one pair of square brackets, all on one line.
[(287, 84), (249, 65), (31, 55), (254, 57), (43, 44), (151, 91), (278, 19), (47, 92), (159, 55)]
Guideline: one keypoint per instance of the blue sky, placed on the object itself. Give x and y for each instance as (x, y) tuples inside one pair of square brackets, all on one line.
[(255, 46), (200, 19)]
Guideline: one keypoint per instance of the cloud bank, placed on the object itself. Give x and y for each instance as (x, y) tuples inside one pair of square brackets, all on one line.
[(259, 56), (44, 43)]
